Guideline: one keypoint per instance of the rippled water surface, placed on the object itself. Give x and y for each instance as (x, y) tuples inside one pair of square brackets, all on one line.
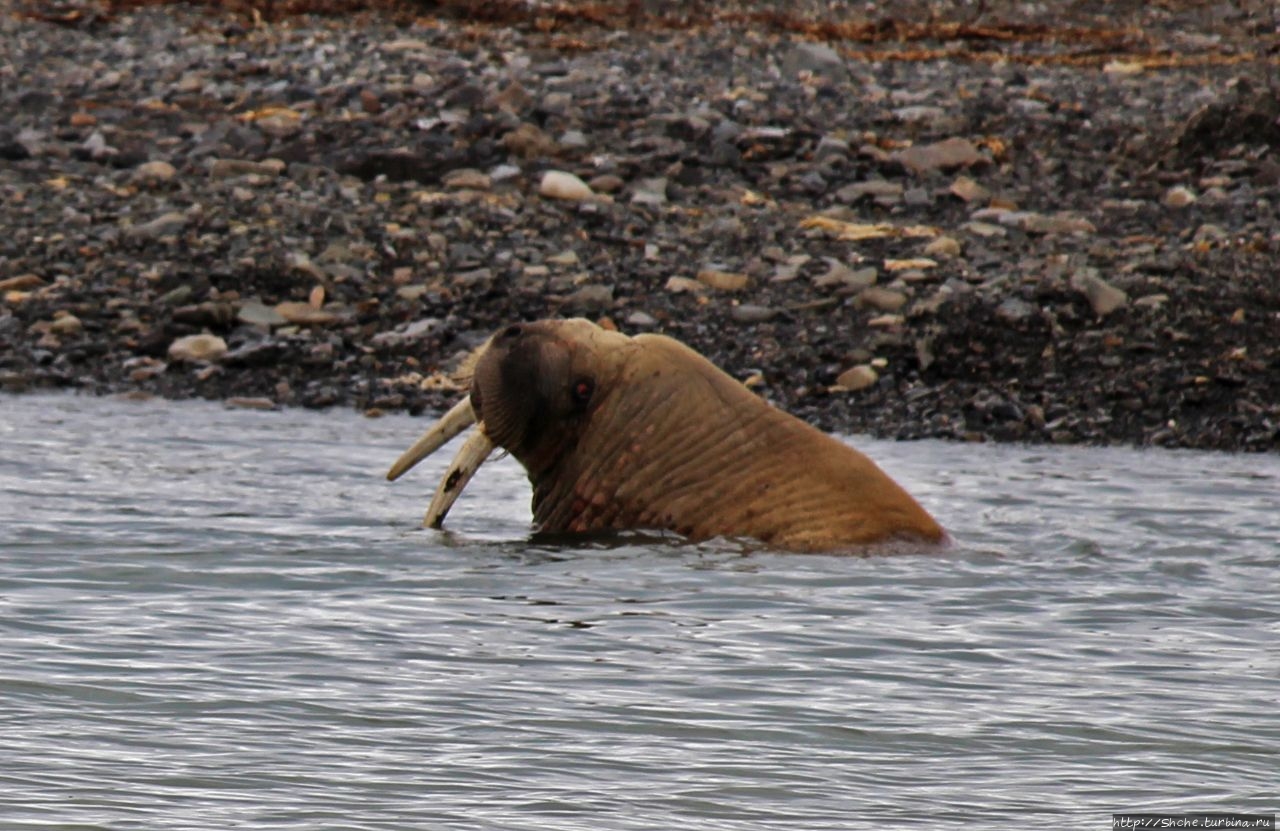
[(213, 618)]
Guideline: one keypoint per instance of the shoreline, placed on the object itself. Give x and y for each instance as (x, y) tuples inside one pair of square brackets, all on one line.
[(947, 246)]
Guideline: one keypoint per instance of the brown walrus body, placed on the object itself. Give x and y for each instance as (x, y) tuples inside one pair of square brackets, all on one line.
[(644, 433)]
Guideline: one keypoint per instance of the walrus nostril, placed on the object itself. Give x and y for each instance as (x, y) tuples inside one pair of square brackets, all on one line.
[(512, 332)]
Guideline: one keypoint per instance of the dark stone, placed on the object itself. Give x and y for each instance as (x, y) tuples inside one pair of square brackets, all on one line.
[(256, 354), (13, 151)]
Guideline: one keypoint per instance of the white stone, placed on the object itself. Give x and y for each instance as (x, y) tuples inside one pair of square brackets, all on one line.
[(198, 348), (557, 184)]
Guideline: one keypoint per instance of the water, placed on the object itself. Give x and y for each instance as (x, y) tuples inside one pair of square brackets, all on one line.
[(227, 619)]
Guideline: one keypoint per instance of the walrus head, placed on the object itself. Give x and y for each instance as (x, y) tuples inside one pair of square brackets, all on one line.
[(621, 433), (536, 385)]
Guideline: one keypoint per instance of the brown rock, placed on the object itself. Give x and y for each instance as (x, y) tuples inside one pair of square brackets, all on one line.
[(67, 324), (22, 282), (280, 122), (947, 154), (881, 299), (606, 183), (242, 403), (154, 172), (857, 378), (198, 348), (1103, 297), (970, 191), (229, 168), (466, 178), (1062, 223), (723, 280), (304, 314), (528, 142), (943, 248), (513, 97), (683, 285)]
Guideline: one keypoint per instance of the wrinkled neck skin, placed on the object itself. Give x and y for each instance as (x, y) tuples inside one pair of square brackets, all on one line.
[(672, 443)]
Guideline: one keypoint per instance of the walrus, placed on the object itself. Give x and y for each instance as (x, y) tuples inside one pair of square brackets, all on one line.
[(619, 433)]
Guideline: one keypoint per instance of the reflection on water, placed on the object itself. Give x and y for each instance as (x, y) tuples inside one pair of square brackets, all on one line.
[(228, 617)]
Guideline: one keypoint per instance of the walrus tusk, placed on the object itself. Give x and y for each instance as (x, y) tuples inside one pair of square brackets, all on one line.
[(459, 418), (470, 456)]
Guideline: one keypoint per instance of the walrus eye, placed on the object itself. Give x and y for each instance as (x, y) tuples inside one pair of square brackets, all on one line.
[(582, 391)]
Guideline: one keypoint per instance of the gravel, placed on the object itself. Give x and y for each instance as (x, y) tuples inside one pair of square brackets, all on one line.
[(994, 225)]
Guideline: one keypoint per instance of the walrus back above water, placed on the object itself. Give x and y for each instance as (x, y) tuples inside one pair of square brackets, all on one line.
[(642, 432)]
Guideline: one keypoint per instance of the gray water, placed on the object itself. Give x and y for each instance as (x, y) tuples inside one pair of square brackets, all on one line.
[(215, 618)]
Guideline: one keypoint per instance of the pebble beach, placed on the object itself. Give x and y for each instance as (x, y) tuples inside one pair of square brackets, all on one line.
[(975, 223)]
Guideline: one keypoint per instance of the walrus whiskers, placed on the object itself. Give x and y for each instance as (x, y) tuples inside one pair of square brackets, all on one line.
[(459, 418)]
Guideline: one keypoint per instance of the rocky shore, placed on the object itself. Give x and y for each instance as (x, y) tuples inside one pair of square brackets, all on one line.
[(990, 225)]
